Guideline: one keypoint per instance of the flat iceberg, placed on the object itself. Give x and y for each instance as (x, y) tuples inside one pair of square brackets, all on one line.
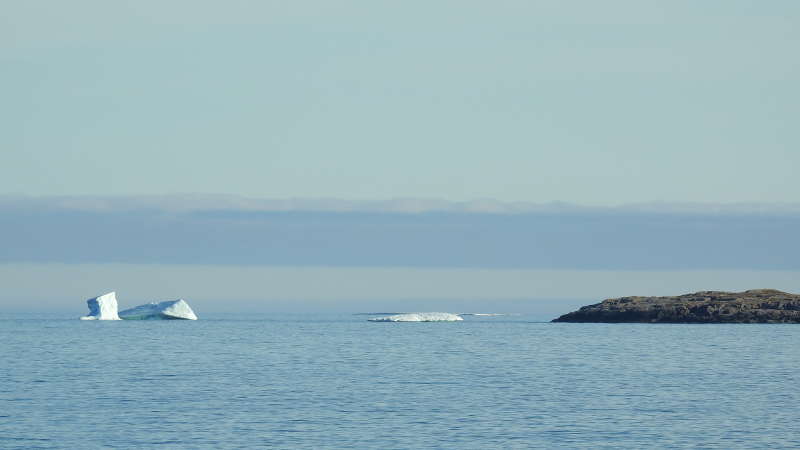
[(489, 314), (419, 317), (168, 310), (103, 307)]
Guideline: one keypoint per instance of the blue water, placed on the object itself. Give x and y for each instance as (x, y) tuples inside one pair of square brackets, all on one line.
[(327, 381)]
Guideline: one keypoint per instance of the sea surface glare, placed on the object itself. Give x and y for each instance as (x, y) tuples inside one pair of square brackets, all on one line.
[(336, 381)]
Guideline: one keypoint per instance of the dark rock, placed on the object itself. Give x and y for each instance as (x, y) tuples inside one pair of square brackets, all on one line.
[(754, 306)]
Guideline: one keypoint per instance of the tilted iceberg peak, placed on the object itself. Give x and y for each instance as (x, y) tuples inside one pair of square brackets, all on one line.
[(171, 309), (103, 307)]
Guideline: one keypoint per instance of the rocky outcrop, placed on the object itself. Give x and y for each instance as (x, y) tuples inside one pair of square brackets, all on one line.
[(754, 306)]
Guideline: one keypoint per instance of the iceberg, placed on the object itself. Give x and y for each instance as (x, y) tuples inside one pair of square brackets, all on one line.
[(419, 317), (488, 314), (168, 310), (103, 307)]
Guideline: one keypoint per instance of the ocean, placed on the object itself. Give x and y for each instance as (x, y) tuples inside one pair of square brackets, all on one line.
[(339, 381)]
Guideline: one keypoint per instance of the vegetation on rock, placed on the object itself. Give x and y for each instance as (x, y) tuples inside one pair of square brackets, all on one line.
[(753, 306)]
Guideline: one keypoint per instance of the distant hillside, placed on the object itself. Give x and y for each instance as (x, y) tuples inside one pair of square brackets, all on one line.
[(83, 230)]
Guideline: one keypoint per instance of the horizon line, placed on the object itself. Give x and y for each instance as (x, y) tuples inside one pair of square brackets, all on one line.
[(190, 202)]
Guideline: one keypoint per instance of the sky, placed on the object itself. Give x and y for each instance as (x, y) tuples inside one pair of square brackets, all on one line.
[(577, 101), (460, 149)]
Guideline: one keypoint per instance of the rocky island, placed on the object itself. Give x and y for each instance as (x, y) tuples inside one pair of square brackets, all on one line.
[(753, 306)]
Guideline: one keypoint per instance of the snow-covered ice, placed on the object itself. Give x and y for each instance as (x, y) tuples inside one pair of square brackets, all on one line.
[(103, 307), (171, 309), (489, 314), (419, 317)]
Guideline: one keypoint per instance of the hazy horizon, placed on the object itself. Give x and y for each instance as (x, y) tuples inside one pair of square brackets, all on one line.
[(226, 253)]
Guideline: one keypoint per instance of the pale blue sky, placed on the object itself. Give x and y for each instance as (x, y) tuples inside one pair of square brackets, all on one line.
[(579, 101), (585, 102)]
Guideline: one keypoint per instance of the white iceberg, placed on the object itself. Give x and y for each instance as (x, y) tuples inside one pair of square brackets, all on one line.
[(103, 307), (171, 309), (488, 314), (419, 317)]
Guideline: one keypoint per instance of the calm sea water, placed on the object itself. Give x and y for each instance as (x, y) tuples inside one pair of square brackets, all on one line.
[(326, 381)]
